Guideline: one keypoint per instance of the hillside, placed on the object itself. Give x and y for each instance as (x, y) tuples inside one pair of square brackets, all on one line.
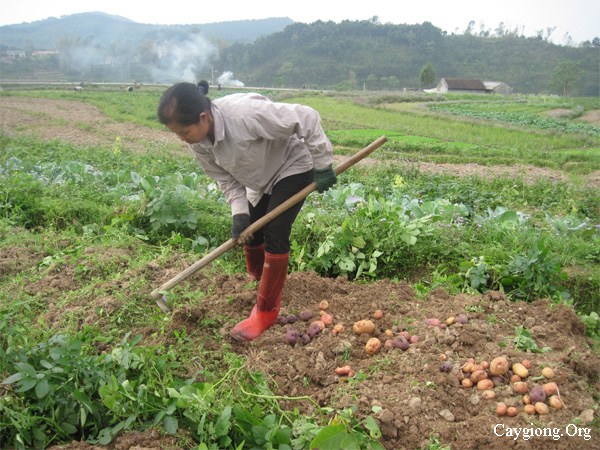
[(280, 53), (100, 29)]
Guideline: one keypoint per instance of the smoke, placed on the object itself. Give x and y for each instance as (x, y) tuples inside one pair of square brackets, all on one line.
[(183, 60), (226, 79)]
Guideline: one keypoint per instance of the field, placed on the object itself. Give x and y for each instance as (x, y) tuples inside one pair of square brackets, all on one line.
[(487, 208)]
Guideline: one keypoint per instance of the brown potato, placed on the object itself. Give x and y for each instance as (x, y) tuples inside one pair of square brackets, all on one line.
[(547, 372), (466, 382), (373, 346), (519, 369), (515, 378), (478, 375), (511, 411), (501, 409), (378, 314), (520, 387), (339, 328), (364, 326), (526, 363), (327, 319), (541, 408), (488, 394), (345, 370), (527, 399), (529, 409), (549, 388), (499, 366), (556, 402), (324, 305)]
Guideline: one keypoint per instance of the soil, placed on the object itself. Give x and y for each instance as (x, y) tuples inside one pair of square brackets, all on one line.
[(413, 398)]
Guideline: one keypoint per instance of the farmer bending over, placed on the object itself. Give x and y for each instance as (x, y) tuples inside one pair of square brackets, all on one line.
[(261, 153)]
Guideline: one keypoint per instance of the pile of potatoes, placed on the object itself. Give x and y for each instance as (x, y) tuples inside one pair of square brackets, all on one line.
[(486, 376)]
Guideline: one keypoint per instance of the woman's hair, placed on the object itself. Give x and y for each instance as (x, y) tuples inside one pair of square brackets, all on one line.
[(183, 103)]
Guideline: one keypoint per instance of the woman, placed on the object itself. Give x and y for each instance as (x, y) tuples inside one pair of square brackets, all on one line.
[(260, 153)]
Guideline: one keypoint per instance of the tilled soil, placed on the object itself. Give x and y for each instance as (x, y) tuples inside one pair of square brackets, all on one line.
[(413, 399)]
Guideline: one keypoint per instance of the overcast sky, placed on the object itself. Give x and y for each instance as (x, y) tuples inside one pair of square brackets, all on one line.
[(579, 18)]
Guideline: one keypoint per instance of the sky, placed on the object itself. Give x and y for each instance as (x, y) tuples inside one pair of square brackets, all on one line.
[(579, 18)]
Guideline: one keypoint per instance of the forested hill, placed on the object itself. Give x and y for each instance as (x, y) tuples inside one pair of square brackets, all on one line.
[(281, 53), (376, 56)]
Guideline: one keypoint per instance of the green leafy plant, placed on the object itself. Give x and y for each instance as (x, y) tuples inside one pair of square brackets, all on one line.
[(524, 341)]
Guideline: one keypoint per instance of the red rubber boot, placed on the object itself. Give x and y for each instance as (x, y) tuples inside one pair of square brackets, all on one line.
[(268, 301), (255, 259)]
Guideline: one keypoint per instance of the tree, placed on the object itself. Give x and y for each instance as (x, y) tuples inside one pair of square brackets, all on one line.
[(566, 74), (428, 76)]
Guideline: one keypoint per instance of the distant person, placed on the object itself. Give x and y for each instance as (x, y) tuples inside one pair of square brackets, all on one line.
[(261, 153), (219, 87)]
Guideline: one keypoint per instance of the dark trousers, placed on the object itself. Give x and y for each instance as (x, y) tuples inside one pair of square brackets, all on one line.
[(276, 234)]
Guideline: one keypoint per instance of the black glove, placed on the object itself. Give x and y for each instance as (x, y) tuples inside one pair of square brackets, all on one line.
[(240, 223), (325, 178)]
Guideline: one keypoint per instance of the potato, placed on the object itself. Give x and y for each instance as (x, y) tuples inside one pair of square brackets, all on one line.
[(373, 346), (442, 357), (405, 335), (364, 326), (446, 366), (345, 370), (327, 319), (291, 318), (305, 338), (515, 379), (537, 394), (485, 384), (478, 375), (529, 409), (306, 315), (526, 363), (389, 333), (488, 394), (499, 366), (527, 399), (556, 402), (547, 372), (520, 388), (541, 408), (449, 321), (466, 383), (414, 339), (511, 411), (549, 388), (291, 336), (378, 314), (339, 328), (501, 409), (324, 305), (320, 323), (468, 368), (519, 369), (401, 343), (485, 365), (388, 343), (461, 318), (313, 329), (432, 322)]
